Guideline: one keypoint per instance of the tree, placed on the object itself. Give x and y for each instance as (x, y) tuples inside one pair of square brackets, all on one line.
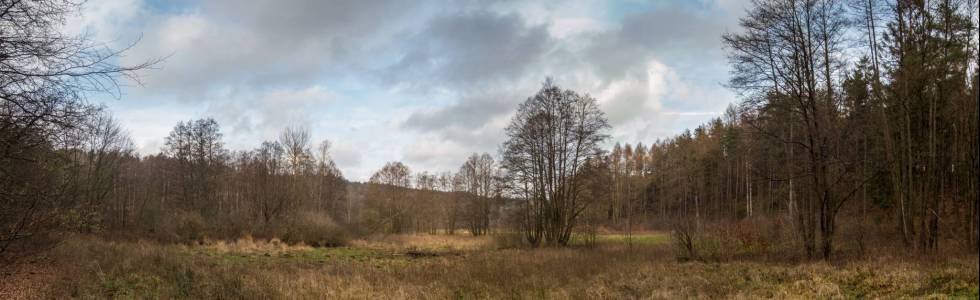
[(45, 76), (96, 149), (788, 57), (388, 196), (449, 186), (478, 177), (296, 143), (549, 140), (270, 168), (330, 187), (200, 157)]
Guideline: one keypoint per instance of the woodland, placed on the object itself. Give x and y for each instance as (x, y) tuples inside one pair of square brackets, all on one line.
[(848, 168)]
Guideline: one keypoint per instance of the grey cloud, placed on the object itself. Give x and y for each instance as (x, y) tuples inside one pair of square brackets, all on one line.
[(230, 55), (674, 29), (470, 48), (267, 43), (635, 62), (293, 23), (253, 115), (678, 36), (469, 112), (437, 154), (644, 59), (483, 59)]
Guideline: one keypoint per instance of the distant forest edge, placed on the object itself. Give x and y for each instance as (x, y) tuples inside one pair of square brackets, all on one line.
[(857, 128)]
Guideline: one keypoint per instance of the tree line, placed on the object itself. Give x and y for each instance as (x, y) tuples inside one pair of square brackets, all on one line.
[(856, 117), (863, 111)]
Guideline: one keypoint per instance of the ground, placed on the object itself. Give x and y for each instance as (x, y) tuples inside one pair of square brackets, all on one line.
[(440, 267)]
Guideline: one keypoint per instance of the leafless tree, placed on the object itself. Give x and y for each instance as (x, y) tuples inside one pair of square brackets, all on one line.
[(549, 139), (790, 57), (479, 180), (200, 158), (389, 198), (45, 76), (296, 142)]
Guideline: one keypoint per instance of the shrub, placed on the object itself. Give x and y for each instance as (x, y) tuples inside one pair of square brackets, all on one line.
[(312, 228), (685, 241), (507, 240), (81, 220), (751, 238), (181, 227)]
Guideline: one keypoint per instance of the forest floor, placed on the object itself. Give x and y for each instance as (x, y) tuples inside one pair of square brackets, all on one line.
[(440, 267)]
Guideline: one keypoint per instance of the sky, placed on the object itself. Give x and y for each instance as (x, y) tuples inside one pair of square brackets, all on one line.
[(423, 82)]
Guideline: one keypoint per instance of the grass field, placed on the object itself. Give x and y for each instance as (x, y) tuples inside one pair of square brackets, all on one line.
[(441, 267)]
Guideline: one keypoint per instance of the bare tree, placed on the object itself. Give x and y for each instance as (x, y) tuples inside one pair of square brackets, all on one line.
[(296, 142), (447, 184), (388, 196), (329, 185), (479, 180), (96, 149), (549, 140), (789, 58), (200, 157), (45, 76), (270, 196)]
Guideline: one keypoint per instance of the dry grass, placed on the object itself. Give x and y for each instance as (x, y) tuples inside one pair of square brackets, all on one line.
[(467, 267), (249, 245), (27, 279), (426, 242)]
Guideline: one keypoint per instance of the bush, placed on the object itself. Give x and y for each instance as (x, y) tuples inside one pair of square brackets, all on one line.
[(507, 240), (181, 227), (686, 242), (231, 226), (81, 220), (312, 228), (751, 238)]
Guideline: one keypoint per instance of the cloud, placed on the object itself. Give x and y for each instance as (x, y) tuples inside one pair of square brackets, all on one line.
[(264, 43), (469, 48), (631, 68), (346, 155), (673, 30), (470, 111), (263, 114), (425, 82), (105, 19)]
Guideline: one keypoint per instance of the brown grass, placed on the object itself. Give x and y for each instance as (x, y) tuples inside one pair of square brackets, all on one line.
[(249, 245), (470, 267), (426, 242), (27, 279)]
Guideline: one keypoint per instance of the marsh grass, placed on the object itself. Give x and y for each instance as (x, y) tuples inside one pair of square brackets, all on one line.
[(468, 267)]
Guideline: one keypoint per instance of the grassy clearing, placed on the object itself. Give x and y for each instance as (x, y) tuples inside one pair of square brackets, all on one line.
[(467, 267)]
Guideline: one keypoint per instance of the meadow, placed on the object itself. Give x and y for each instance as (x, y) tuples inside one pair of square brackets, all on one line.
[(464, 267)]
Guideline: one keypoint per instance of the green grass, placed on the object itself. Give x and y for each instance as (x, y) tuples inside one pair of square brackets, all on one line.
[(637, 239)]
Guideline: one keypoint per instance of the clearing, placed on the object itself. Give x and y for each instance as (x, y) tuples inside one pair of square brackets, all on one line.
[(440, 267)]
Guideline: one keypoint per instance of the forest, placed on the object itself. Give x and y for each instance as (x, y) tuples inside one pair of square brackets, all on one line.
[(848, 168)]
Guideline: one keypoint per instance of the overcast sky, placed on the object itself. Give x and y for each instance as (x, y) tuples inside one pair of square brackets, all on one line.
[(423, 82)]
